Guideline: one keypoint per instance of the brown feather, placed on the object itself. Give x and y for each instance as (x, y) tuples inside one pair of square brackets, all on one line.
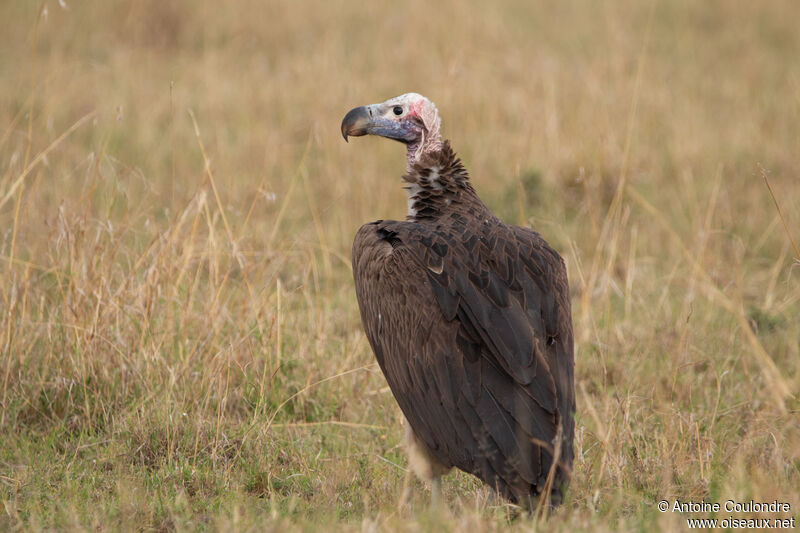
[(470, 321)]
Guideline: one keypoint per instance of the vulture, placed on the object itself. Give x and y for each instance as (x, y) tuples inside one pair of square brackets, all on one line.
[(469, 319)]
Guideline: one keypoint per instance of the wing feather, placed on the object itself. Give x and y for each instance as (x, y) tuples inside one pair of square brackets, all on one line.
[(473, 333)]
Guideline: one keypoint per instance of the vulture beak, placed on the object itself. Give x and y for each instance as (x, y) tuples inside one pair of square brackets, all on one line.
[(356, 122), (377, 119)]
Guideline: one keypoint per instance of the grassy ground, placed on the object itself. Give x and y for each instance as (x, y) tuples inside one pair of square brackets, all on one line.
[(181, 346)]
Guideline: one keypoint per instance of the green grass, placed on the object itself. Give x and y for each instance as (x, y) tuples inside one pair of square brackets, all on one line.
[(181, 345)]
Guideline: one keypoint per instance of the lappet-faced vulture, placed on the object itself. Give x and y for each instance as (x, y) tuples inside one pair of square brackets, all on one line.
[(469, 319)]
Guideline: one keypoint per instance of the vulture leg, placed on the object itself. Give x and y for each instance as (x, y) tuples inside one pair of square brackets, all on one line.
[(424, 466), (406, 495)]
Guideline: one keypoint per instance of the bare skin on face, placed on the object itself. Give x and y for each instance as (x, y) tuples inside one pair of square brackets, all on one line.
[(410, 118)]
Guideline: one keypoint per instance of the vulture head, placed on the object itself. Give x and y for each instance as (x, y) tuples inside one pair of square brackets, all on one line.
[(410, 118)]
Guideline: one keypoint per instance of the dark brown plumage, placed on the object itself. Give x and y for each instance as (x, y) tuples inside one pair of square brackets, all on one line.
[(469, 319)]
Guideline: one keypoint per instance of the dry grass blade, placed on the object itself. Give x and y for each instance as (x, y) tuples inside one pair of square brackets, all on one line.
[(780, 213), (41, 155), (776, 385)]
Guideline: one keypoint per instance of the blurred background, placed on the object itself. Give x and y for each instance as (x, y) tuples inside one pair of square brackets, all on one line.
[(181, 342)]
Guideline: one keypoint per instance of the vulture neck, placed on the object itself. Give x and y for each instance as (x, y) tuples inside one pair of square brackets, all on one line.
[(437, 184), (429, 143)]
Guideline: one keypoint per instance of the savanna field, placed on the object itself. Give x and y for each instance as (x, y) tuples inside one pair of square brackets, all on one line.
[(181, 344)]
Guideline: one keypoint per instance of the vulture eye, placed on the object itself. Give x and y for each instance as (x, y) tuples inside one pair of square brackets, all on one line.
[(397, 110)]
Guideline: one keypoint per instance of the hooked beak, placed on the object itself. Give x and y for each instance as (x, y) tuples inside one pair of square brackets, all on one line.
[(356, 122)]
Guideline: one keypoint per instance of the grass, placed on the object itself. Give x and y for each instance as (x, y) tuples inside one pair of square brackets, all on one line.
[(181, 346)]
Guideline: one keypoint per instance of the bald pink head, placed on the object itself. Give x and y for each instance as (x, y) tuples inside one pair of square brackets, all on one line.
[(409, 118)]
